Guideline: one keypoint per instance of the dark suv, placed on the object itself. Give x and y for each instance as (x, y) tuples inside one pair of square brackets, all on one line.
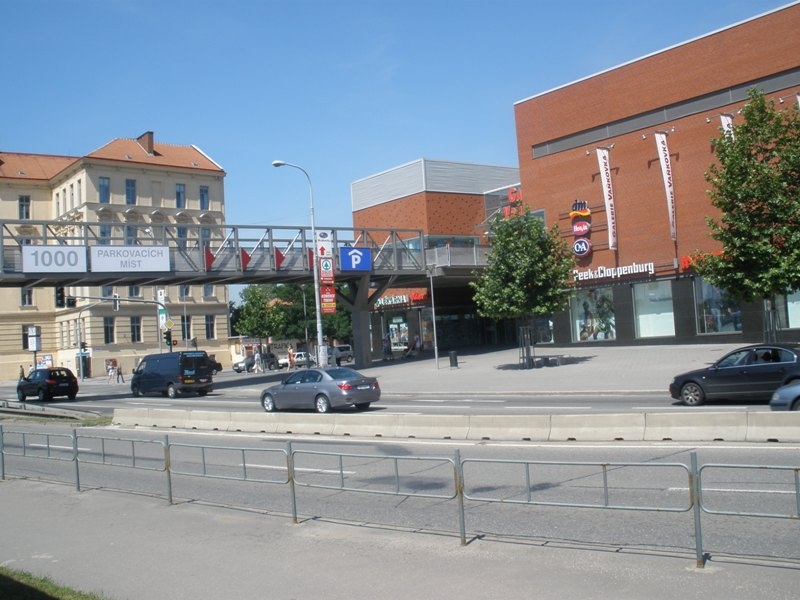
[(48, 383)]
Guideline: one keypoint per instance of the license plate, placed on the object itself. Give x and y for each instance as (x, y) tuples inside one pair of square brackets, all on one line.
[(188, 380), (362, 387), (63, 384)]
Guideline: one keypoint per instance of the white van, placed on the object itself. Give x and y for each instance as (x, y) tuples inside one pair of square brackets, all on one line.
[(343, 353)]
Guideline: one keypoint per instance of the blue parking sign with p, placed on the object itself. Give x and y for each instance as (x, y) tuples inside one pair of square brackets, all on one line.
[(355, 259)]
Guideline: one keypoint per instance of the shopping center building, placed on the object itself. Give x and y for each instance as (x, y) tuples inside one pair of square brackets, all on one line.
[(618, 161)]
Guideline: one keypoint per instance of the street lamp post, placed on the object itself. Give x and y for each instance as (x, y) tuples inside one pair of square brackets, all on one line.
[(431, 269), (322, 349)]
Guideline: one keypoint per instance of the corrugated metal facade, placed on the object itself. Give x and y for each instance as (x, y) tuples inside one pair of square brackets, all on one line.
[(425, 175)]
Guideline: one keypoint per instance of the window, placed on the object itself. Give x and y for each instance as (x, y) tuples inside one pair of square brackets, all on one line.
[(205, 237), (136, 330), (180, 195), (26, 297), (592, 315), (130, 192), (181, 233), (71, 196), (58, 204), (105, 235), (203, 197), (24, 207), (654, 312), (131, 233), (208, 290), (186, 327), (25, 336), (788, 308), (107, 291), (108, 330), (134, 291), (211, 333), (79, 187), (184, 291), (104, 190), (716, 311)]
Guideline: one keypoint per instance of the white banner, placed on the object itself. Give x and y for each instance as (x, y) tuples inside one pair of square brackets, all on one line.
[(608, 194), (669, 188), (727, 123), (129, 259)]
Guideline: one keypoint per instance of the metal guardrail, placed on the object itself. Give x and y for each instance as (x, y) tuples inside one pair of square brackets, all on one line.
[(387, 474)]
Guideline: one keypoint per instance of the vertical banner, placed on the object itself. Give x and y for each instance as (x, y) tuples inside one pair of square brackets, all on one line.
[(727, 123), (608, 194), (669, 188)]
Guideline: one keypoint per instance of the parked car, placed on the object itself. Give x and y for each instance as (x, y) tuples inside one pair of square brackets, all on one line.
[(248, 364), (45, 384), (343, 352), (748, 373), (322, 390), (301, 359), (245, 365), (786, 397)]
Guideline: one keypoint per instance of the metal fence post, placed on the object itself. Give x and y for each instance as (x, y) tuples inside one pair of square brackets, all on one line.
[(2, 456), (697, 503), (168, 467), (458, 474), (290, 477), (75, 459)]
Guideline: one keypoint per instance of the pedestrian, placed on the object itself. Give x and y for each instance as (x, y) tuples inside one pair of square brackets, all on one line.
[(387, 346), (21, 372), (120, 376), (291, 357), (257, 362), (30, 370), (111, 372)]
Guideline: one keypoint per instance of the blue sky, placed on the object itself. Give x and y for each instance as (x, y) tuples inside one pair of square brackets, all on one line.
[(345, 88)]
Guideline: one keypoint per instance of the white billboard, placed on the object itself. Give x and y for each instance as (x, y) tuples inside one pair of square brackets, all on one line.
[(135, 259)]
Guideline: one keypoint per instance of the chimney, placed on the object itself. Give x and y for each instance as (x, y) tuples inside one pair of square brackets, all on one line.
[(146, 141)]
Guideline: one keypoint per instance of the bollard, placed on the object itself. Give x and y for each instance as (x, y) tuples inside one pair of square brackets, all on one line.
[(453, 359)]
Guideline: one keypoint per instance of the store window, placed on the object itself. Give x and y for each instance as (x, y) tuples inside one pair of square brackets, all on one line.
[(788, 307), (654, 311), (592, 314), (716, 311)]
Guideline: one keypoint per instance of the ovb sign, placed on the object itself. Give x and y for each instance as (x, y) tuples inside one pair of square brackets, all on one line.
[(355, 259)]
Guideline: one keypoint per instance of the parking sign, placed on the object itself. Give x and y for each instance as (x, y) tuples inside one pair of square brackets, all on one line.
[(355, 259)]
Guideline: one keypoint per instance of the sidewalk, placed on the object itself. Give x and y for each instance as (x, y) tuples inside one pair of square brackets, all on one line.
[(130, 547)]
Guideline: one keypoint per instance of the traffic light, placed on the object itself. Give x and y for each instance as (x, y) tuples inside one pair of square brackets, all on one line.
[(61, 298), (72, 301), (115, 302), (83, 346), (168, 338)]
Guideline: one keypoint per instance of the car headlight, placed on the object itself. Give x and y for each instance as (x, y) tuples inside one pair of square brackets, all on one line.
[(775, 396)]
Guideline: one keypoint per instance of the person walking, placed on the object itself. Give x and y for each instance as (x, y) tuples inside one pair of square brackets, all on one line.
[(112, 372), (120, 376), (21, 372), (291, 357)]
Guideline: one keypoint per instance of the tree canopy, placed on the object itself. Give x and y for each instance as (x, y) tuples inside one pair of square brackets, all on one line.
[(527, 270), (755, 186)]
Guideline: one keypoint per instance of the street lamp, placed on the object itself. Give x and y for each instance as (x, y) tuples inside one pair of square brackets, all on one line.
[(322, 349), (430, 269)]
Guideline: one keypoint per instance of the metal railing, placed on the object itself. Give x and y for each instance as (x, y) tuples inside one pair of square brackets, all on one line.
[(603, 484)]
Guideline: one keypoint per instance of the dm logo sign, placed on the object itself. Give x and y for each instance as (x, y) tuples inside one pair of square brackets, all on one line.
[(581, 247)]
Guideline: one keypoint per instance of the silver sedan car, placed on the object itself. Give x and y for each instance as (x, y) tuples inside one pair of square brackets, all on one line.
[(322, 390), (786, 397)]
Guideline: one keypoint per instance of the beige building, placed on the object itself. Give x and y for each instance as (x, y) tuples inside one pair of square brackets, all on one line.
[(130, 192)]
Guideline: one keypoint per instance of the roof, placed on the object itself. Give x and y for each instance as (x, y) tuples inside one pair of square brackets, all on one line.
[(33, 167), (144, 150)]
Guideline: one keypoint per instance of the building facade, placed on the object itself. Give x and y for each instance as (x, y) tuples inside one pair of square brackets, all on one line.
[(127, 193), (618, 161)]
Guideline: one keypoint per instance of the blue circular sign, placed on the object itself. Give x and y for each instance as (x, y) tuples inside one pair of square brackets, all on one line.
[(581, 247)]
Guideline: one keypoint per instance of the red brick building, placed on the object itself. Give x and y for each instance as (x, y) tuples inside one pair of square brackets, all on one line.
[(600, 141)]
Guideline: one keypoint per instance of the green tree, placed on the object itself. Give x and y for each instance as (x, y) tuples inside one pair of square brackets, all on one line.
[(755, 187), (527, 270)]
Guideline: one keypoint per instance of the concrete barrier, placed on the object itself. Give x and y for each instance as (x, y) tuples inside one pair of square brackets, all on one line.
[(433, 427), (696, 427), (595, 428), (535, 428), (208, 420), (690, 426), (376, 425), (773, 426), (250, 422)]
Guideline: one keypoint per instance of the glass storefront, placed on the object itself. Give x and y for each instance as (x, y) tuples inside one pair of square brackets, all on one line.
[(654, 311), (715, 309), (592, 312)]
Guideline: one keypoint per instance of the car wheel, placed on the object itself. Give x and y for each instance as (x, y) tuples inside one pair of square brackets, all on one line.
[(268, 403), (322, 404), (72, 396), (362, 405), (136, 391), (202, 392), (42, 395), (692, 394), (272, 366), (796, 405), (20, 395), (171, 391)]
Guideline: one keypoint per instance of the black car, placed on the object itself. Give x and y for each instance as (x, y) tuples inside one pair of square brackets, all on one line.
[(748, 373), (46, 384), (248, 364)]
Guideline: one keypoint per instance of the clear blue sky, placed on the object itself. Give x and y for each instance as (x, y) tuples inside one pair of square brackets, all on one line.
[(345, 88)]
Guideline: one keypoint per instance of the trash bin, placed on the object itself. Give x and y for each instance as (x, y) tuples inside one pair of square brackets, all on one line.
[(453, 359)]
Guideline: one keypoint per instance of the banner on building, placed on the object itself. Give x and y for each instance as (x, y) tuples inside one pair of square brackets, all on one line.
[(608, 195), (669, 188), (727, 123)]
